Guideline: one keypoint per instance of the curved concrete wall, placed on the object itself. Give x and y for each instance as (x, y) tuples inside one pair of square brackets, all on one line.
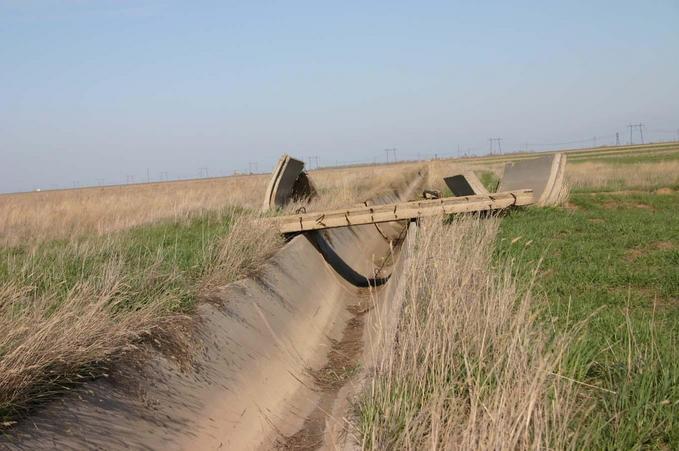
[(544, 175)]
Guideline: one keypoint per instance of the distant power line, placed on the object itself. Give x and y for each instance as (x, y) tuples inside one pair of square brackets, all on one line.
[(314, 159), (638, 133)]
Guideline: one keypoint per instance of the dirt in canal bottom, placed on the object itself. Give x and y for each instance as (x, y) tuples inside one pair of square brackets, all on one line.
[(342, 364)]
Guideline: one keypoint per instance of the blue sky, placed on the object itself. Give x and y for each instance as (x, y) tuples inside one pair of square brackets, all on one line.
[(99, 90)]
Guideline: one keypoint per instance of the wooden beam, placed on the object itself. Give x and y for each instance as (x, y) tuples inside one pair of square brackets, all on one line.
[(402, 211)]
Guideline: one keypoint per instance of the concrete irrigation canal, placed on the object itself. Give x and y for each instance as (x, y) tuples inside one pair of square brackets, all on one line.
[(279, 356), (276, 355)]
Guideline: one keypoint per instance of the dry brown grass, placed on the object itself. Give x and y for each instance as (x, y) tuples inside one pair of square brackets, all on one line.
[(343, 187), (242, 251), (36, 217), (46, 346), (472, 367), (601, 175)]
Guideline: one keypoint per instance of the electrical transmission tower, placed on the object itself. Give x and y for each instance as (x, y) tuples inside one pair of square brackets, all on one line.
[(499, 144), (314, 159), (640, 127), (393, 153), (203, 171)]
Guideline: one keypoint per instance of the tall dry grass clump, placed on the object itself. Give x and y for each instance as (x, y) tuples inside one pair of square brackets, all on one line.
[(251, 240), (472, 366), (47, 345)]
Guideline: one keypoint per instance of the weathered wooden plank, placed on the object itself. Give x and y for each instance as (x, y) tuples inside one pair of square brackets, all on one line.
[(402, 211)]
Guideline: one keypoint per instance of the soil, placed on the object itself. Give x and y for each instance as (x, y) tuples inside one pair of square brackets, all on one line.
[(343, 359)]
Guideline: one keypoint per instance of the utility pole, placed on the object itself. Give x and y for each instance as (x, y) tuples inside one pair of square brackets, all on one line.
[(640, 127), (617, 138), (203, 170), (393, 153), (630, 134)]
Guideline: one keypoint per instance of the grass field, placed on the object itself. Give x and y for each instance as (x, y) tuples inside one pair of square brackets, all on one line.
[(612, 262)]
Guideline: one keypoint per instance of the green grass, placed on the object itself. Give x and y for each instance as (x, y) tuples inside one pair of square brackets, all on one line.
[(489, 179), (631, 158), (163, 258), (613, 262), (620, 185)]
